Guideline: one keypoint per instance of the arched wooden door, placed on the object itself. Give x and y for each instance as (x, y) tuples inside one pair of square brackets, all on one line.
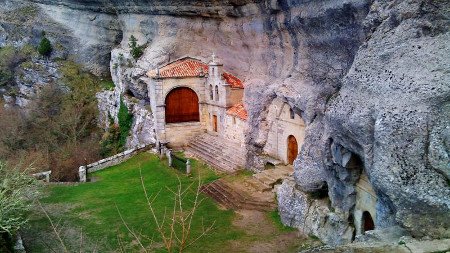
[(292, 149), (367, 221), (182, 106)]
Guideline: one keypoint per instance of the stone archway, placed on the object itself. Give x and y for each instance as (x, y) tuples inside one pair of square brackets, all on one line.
[(182, 106), (367, 222), (292, 149)]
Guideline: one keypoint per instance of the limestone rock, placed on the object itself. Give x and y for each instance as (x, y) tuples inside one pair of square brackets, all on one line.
[(311, 216), (142, 130)]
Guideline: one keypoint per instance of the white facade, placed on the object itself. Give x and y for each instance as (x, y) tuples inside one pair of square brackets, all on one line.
[(215, 97), (283, 123)]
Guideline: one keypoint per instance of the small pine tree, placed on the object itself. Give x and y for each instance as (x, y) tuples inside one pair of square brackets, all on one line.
[(45, 47), (136, 50)]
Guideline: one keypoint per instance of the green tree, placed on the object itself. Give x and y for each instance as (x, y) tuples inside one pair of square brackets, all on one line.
[(135, 49), (45, 47)]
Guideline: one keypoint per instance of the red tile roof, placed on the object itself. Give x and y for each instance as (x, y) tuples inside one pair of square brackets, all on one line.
[(238, 110), (233, 81), (184, 67)]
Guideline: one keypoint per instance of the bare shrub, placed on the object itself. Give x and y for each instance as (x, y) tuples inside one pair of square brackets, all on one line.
[(175, 226)]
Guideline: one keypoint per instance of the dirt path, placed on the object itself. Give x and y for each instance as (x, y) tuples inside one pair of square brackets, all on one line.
[(263, 236)]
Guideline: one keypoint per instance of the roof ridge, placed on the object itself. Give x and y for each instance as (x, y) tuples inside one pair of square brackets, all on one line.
[(180, 59)]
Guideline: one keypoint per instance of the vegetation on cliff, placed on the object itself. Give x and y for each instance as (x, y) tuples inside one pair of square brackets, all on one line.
[(115, 138), (11, 57), (59, 130), (45, 47), (136, 50)]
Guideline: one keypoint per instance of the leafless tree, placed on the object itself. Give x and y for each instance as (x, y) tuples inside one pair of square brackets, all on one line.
[(175, 226)]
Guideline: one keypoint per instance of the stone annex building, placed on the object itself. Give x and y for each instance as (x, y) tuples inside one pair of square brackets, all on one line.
[(200, 106)]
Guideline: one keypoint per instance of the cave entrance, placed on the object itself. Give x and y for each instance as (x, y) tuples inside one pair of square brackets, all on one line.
[(182, 106), (367, 222), (292, 149)]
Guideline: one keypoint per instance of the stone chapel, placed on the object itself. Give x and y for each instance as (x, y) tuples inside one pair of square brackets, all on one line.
[(189, 98)]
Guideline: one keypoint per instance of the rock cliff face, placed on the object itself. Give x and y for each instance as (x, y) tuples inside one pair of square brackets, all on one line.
[(369, 78)]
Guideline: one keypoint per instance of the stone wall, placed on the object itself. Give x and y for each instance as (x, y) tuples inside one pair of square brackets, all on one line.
[(110, 161), (234, 129)]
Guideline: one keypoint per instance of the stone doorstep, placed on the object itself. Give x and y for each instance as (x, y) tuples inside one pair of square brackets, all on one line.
[(258, 185), (269, 179)]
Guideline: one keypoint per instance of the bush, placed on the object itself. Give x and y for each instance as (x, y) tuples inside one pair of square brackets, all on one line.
[(110, 141), (136, 50), (45, 47), (115, 139), (107, 85), (125, 122), (17, 189)]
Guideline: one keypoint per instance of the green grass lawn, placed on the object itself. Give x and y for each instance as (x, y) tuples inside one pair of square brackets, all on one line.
[(86, 214), (92, 207)]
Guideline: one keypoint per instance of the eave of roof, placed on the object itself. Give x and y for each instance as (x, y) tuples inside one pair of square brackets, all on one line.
[(233, 81), (238, 110)]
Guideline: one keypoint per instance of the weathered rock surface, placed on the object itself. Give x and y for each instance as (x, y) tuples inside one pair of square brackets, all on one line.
[(30, 77), (312, 216), (369, 78)]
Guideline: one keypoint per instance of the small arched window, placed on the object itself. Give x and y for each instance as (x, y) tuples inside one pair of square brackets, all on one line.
[(291, 113), (217, 93), (211, 92)]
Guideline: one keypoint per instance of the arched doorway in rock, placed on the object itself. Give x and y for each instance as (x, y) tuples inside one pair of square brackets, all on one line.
[(292, 149), (182, 106), (367, 222)]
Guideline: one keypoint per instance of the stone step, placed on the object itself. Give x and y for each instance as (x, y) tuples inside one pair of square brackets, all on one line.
[(216, 148), (208, 152), (211, 161), (230, 198), (220, 143), (222, 199), (212, 158), (225, 194), (220, 153), (258, 185), (230, 152), (268, 180)]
